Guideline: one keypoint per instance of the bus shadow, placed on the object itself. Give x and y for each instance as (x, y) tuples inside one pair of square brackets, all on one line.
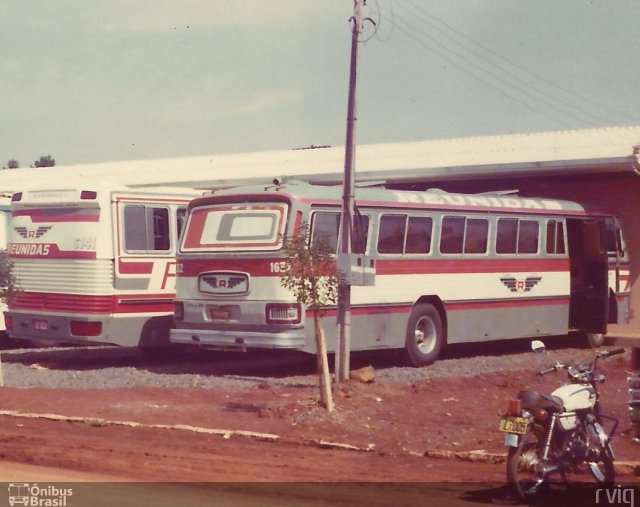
[(254, 364)]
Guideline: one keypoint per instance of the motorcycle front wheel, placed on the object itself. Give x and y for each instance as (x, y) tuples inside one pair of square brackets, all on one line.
[(523, 466), (601, 460)]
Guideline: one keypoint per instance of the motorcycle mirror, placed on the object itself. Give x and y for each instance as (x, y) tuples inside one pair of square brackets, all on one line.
[(537, 346)]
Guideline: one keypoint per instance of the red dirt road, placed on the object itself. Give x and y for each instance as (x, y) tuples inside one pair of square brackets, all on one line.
[(396, 422)]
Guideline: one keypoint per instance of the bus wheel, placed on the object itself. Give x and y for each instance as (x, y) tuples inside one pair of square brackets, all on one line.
[(155, 333), (595, 339), (424, 335)]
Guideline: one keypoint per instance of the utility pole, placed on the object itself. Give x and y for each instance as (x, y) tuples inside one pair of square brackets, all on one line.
[(348, 197)]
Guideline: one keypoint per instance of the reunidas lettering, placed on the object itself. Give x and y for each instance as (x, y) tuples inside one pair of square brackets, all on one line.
[(30, 249)]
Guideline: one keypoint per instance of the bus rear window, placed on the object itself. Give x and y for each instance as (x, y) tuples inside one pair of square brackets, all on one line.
[(235, 228)]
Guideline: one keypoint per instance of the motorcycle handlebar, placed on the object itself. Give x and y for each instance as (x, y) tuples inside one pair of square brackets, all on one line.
[(606, 353)]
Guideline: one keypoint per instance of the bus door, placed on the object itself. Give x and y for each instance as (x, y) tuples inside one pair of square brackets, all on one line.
[(616, 252), (589, 306)]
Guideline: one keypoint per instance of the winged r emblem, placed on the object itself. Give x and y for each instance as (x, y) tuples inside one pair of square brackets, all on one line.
[(520, 285), (224, 282), (32, 233)]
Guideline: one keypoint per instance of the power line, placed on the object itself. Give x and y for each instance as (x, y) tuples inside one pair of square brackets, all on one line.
[(515, 65), (473, 70), (472, 61), (521, 84)]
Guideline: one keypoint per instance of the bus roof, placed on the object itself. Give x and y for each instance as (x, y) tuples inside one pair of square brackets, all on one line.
[(377, 197), (92, 193)]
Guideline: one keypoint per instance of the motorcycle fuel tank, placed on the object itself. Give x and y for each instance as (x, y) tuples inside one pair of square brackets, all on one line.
[(575, 397)]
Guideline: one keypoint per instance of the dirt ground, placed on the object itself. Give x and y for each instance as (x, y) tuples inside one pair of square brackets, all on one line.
[(380, 431)]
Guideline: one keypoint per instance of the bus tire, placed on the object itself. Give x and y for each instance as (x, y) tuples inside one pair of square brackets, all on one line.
[(425, 336), (155, 333)]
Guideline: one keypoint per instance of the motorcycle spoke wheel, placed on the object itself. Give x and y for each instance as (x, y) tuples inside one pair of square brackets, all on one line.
[(523, 465)]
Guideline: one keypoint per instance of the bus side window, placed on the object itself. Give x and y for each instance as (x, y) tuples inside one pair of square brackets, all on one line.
[(419, 231), (517, 236), (613, 238), (555, 237), (160, 224), (146, 228), (452, 235), (528, 236), (181, 215), (507, 235), (392, 233), (324, 227), (360, 234), (135, 227), (476, 236)]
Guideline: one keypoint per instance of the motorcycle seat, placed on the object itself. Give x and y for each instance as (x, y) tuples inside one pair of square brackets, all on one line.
[(532, 400)]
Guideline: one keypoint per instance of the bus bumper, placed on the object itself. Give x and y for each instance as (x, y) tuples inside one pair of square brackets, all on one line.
[(292, 339), (48, 329)]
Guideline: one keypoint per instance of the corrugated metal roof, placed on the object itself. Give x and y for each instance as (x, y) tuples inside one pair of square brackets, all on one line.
[(566, 152)]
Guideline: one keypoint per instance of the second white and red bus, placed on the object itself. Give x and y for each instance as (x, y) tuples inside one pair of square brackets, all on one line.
[(450, 268)]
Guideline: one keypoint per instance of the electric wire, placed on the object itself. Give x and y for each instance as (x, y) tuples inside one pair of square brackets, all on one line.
[(481, 46), (523, 85), (496, 76), (445, 53)]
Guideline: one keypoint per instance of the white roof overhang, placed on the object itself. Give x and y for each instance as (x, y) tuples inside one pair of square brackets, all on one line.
[(579, 152)]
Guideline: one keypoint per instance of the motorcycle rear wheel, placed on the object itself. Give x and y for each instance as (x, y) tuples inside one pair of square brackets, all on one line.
[(523, 465)]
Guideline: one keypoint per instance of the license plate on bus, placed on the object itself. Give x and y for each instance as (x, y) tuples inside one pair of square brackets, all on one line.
[(514, 424), (219, 313), (40, 325)]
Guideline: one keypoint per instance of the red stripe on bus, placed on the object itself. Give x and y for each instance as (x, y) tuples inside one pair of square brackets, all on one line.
[(95, 305), (45, 251), (422, 266), (72, 303), (135, 268), (363, 310), (256, 267), (40, 216), (506, 303), (263, 267)]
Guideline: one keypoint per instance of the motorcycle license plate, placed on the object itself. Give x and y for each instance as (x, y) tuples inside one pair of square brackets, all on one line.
[(514, 424)]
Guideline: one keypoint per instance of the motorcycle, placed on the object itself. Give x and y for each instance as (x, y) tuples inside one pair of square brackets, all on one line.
[(561, 432)]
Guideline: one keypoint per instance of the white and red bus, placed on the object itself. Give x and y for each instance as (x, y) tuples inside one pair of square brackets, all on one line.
[(450, 268), (94, 265)]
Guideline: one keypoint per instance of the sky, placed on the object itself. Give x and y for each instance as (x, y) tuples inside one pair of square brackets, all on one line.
[(111, 80)]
